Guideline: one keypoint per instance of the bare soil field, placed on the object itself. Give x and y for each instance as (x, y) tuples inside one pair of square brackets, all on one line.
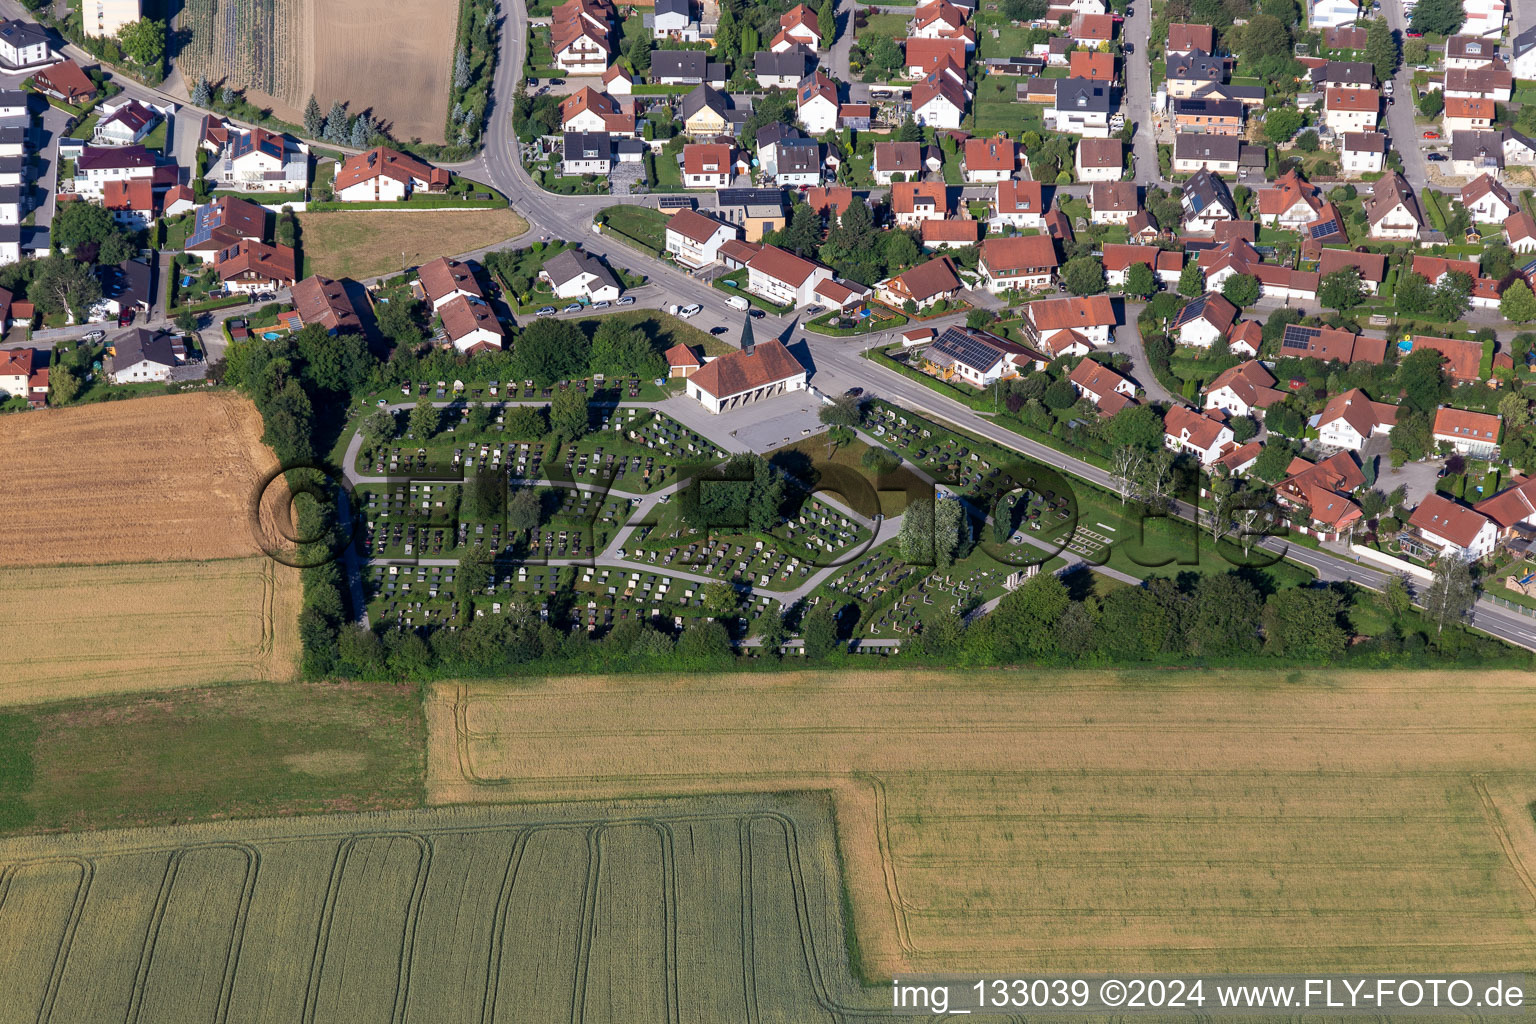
[(368, 244), (85, 631), (393, 59), (151, 479), (1214, 821), (693, 912)]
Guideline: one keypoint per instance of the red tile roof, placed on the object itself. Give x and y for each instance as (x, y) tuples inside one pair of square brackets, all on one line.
[(768, 363), (1445, 518)]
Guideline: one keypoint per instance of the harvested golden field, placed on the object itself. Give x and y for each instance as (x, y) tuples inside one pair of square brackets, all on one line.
[(150, 479), (393, 59), (1215, 821), (84, 631), (367, 244), (693, 912)]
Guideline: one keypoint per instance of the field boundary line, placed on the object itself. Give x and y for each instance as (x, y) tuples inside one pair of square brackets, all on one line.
[(888, 863), (1501, 834), (67, 939)]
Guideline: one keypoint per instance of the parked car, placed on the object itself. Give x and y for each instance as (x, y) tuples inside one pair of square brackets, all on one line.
[(853, 392), (1435, 157), (757, 314), (717, 331), (547, 311), (601, 305), (1129, 48), (628, 300), (574, 307), (94, 336), (1431, 135)]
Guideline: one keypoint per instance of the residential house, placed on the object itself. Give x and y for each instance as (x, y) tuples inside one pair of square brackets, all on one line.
[(686, 67), (1019, 204), (1351, 419), (125, 125), (816, 103), (98, 165), (470, 326), (1487, 201), (1203, 321), (142, 355), (1468, 433), (1069, 326), (131, 201), (1081, 107), (1276, 281), (1118, 259), (320, 300), (1343, 74), (443, 280), (923, 285), (707, 165), (588, 110), (1522, 54), (782, 70), (1449, 529), (938, 100), (252, 267), (1027, 263), (704, 112), (254, 160), (1393, 210), (1091, 31), (1321, 489), (903, 158), (757, 211), (1206, 202), (382, 174), (797, 162), (949, 234), (1292, 203), (1463, 114), (977, 357), (1185, 38), (65, 81), (586, 153), (1345, 39), (830, 202), (798, 28), (1217, 153), (1329, 344), (218, 225), (580, 37), (1351, 110), (1245, 339), (21, 376), (913, 202), (574, 274), (671, 19), (1513, 510), (617, 81), (1187, 73), (1250, 96), (990, 160), (1112, 202), (1476, 152), (926, 56), (940, 19), (750, 374), (1462, 359), (1493, 82), (1463, 52), (1362, 153), (24, 45), (1100, 160), (1107, 390), (1484, 18), (1246, 389), (782, 277), (1187, 431), (694, 239), (1371, 266), (1091, 65), (1326, 14), (1208, 117), (1520, 232)]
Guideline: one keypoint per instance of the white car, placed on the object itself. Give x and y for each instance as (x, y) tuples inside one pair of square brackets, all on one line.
[(690, 311)]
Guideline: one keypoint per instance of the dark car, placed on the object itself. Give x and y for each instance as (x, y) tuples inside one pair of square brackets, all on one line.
[(853, 392), (1128, 48), (1435, 157), (717, 331), (757, 314)]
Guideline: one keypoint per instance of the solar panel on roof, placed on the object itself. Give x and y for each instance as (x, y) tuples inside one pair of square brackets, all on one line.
[(1298, 337), (967, 348), (1325, 229), (676, 203), (1192, 310)]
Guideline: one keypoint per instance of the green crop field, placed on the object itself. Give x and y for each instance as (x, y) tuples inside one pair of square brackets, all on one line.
[(691, 913)]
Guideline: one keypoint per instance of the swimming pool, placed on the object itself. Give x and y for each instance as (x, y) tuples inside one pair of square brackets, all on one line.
[(271, 336)]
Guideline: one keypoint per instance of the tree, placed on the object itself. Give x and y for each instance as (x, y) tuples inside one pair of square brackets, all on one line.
[(1442, 17), (1414, 293), (186, 321), (1139, 281), (87, 231), (226, 96), (826, 22), (1273, 460), (1453, 296), (63, 385), (1399, 596), (1138, 426), (1219, 507), (951, 531), (477, 420), (568, 419), (551, 350), (719, 599), (425, 419), (336, 124), (1241, 289), (1415, 51), (1126, 463), (1223, 617), (1307, 141), (144, 42), (377, 428), (819, 631), (916, 536), (362, 128), (1518, 303), (1451, 592), (61, 284), (1282, 124), (843, 411), (1083, 276), (461, 68), (1302, 623), (803, 235), (1191, 280), (1026, 617), (1340, 290), (1431, 103), (1381, 48), (314, 119), (524, 510), (202, 94)]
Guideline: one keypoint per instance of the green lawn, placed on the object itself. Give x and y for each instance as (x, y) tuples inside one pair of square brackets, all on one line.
[(994, 108), (893, 25), (644, 225), (156, 139)]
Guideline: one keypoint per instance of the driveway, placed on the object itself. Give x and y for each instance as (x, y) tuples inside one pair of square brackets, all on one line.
[(1418, 477)]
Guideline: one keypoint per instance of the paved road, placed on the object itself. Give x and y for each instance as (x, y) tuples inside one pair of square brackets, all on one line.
[(1137, 97), (1404, 134)]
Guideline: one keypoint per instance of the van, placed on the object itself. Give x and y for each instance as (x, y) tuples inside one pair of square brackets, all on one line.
[(688, 311), (738, 302)]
